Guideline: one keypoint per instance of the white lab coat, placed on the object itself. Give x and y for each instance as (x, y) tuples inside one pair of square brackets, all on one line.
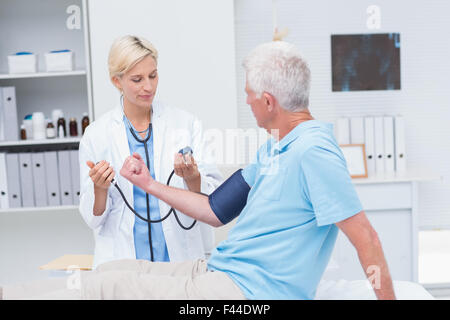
[(106, 139)]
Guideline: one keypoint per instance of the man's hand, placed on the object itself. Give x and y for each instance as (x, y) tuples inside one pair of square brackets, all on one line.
[(135, 171), (190, 203)]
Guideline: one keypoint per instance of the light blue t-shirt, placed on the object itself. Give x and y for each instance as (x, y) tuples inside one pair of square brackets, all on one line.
[(284, 236), (140, 229)]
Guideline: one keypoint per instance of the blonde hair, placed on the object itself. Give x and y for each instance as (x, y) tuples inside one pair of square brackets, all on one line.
[(126, 52)]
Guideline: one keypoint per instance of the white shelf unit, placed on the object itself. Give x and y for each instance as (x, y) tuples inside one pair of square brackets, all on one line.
[(32, 236), (24, 30), (40, 27)]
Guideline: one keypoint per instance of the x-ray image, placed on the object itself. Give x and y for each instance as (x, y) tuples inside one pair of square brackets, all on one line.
[(365, 62)]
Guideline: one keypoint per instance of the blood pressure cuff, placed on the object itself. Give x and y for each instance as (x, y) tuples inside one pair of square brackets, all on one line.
[(228, 200)]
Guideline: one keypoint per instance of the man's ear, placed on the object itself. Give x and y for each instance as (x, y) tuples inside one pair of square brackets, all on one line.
[(269, 100)]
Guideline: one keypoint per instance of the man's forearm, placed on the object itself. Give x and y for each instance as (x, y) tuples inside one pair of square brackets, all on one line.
[(377, 271), (370, 252), (193, 204)]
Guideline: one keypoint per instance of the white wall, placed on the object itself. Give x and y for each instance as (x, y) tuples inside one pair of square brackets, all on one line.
[(195, 40), (424, 99), (38, 28), (32, 239)]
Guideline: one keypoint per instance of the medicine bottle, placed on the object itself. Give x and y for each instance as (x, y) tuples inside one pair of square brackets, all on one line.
[(84, 122), (61, 128), (50, 131), (23, 132), (73, 127)]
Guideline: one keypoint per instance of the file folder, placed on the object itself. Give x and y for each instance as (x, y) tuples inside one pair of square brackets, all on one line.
[(26, 179), (343, 131), (13, 176), (400, 154), (357, 130), (9, 128), (378, 125), (65, 177), (39, 179), (75, 169), (52, 174), (369, 141), (389, 161), (4, 202)]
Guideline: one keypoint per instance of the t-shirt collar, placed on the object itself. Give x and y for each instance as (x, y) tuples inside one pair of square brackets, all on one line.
[(294, 134)]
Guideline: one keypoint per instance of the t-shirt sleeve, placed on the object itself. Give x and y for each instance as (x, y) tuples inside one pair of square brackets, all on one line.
[(249, 173), (328, 185)]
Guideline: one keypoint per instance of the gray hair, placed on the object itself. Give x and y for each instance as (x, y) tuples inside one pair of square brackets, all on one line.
[(278, 68)]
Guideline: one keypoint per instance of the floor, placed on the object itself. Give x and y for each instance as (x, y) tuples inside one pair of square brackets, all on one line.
[(434, 262)]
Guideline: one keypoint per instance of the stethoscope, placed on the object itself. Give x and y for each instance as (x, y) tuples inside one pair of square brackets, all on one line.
[(184, 151)]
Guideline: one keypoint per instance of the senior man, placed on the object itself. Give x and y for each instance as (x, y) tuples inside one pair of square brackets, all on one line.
[(296, 195), (300, 192)]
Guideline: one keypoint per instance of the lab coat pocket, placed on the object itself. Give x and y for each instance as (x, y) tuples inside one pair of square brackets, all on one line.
[(115, 195), (112, 220), (272, 183)]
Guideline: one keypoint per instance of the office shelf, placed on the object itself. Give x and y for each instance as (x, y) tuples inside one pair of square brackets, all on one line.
[(42, 74), (31, 142), (39, 209)]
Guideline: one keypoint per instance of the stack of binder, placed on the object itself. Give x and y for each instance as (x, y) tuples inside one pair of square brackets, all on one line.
[(383, 137), (39, 179)]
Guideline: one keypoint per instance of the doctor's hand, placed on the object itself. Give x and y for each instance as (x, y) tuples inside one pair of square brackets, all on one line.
[(135, 171), (186, 167), (101, 174)]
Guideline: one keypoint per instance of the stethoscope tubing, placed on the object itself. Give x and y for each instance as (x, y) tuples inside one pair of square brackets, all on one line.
[(148, 220), (172, 210)]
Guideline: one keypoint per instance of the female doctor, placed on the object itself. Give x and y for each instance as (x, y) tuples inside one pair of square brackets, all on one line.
[(108, 141)]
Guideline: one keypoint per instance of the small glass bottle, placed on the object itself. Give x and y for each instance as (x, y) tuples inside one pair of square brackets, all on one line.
[(50, 131), (84, 122), (62, 128), (23, 132), (73, 127)]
